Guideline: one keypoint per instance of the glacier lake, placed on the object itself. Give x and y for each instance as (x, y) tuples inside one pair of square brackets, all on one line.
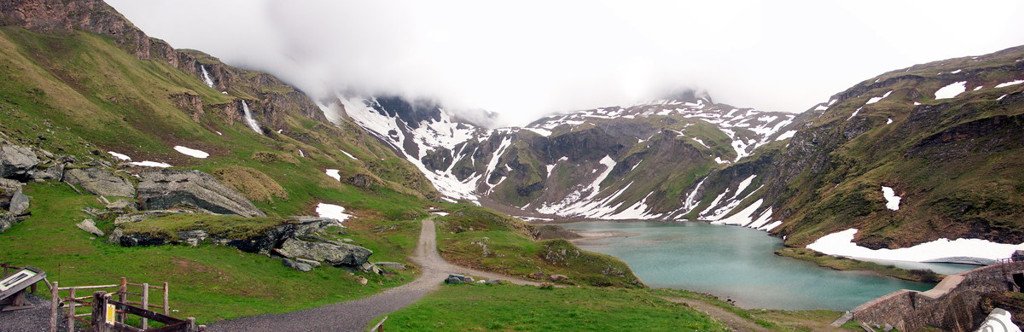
[(736, 263)]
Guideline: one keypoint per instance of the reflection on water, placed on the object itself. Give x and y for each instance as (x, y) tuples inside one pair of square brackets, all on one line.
[(735, 262)]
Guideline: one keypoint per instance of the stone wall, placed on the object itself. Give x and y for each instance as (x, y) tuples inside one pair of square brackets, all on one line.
[(951, 305)]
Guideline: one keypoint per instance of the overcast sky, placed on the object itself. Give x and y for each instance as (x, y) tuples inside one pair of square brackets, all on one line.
[(523, 59)]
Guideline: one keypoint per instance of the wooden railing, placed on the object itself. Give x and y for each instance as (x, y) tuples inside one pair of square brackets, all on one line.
[(109, 315), (74, 301)]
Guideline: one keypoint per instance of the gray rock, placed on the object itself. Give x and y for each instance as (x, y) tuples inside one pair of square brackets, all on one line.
[(144, 215), (1017, 256), (455, 279), (370, 267), (494, 282), (121, 206), (100, 182), (193, 237), (558, 277), (7, 220), (330, 253), (17, 162), (55, 172), (90, 226), (391, 266), (298, 265), (308, 261), (165, 189), (19, 203)]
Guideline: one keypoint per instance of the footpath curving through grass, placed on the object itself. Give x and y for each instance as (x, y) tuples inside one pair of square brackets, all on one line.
[(208, 282)]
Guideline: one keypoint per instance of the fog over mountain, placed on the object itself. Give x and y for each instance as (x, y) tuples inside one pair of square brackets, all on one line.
[(528, 58)]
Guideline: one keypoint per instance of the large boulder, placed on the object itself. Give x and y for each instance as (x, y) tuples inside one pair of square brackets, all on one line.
[(11, 197), (90, 226), (337, 254), (100, 182), (165, 189), (17, 162)]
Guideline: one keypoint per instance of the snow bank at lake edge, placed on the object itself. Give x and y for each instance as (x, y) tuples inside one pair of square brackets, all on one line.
[(841, 244)]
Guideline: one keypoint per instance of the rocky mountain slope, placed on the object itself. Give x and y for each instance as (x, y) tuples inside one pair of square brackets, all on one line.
[(910, 156), (612, 163)]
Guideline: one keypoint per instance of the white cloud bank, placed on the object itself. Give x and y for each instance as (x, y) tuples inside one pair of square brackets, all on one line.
[(523, 59)]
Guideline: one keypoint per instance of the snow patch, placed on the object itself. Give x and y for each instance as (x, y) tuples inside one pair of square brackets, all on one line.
[(332, 211), (951, 90), (333, 173), (892, 202), (148, 163), (786, 135), (841, 244), (1011, 83), (120, 156), (877, 99), (191, 152), (888, 121), (349, 155), (742, 218)]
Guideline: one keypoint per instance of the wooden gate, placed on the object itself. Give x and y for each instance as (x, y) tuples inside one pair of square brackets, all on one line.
[(109, 315)]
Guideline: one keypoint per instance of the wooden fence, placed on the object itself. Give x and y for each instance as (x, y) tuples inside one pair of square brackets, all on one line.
[(108, 315), (74, 300)]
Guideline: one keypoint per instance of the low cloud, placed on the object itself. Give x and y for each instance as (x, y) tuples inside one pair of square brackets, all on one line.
[(528, 58)]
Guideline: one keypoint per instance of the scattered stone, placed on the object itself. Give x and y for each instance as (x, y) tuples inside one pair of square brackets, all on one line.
[(370, 267), (100, 182), (494, 282), (298, 265), (558, 278), (347, 240), (163, 189), (457, 279), (391, 266), (336, 254), (194, 237), (17, 162), (536, 275), (144, 215), (363, 281), (7, 220), (90, 226)]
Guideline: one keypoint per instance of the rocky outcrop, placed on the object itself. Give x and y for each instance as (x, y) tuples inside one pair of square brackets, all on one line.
[(336, 254), (100, 181), (17, 162), (190, 103), (166, 189)]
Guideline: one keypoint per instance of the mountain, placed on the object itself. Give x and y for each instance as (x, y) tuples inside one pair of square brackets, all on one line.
[(611, 163), (951, 158), (910, 156)]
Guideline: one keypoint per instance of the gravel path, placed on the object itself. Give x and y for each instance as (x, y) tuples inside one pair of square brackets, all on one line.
[(30, 320), (356, 315)]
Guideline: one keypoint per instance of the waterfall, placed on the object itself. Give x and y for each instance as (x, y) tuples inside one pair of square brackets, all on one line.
[(206, 76), (249, 120)]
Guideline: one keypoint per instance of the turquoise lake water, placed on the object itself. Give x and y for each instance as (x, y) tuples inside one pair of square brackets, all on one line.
[(736, 263)]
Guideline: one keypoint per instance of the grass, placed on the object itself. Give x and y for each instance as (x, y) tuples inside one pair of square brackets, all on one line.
[(776, 320), (479, 238), (207, 282), (846, 264), (518, 308)]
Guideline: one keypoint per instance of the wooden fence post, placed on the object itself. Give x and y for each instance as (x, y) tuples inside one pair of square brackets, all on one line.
[(71, 310), (54, 303), (123, 298), (145, 304), (99, 312), (167, 308)]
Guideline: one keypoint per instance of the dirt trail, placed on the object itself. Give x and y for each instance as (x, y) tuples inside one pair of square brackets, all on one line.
[(356, 315), (728, 318)]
